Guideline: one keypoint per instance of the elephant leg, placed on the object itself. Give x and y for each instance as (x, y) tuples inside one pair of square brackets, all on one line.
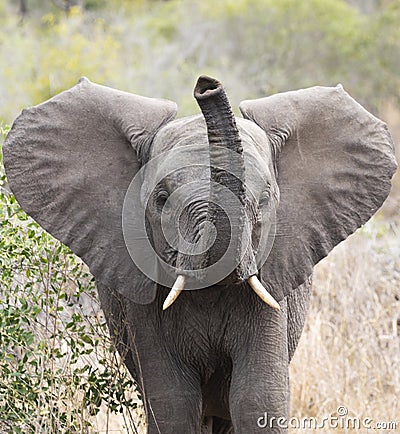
[(222, 426), (216, 425), (206, 426), (171, 390), (259, 393), (174, 408), (171, 394)]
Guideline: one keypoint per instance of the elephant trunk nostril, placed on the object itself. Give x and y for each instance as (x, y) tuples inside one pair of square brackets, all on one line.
[(206, 86)]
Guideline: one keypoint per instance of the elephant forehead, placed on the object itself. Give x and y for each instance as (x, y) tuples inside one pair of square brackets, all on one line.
[(180, 162), (190, 130), (183, 144)]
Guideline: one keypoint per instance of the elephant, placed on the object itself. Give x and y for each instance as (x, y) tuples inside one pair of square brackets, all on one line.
[(202, 232)]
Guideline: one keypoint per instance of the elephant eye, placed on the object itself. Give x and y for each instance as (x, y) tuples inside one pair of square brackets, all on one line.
[(264, 198)]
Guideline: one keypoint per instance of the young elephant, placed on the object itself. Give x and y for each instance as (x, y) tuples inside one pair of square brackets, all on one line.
[(237, 211)]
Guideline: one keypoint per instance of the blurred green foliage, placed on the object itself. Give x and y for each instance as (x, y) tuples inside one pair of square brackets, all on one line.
[(158, 48)]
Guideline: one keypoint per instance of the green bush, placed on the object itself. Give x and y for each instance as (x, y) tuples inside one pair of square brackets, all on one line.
[(57, 364)]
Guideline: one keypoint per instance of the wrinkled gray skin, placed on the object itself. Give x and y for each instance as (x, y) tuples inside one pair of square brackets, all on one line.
[(217, 359)]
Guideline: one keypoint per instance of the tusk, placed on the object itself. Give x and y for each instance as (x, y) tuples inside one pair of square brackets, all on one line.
[(175, 291), (262, 292)]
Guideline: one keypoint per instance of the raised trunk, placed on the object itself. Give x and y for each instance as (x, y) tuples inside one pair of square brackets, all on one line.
[(226, 151), (232, 247)]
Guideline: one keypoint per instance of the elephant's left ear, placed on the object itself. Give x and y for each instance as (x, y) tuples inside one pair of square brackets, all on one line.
[(334, 163), (69, 162)]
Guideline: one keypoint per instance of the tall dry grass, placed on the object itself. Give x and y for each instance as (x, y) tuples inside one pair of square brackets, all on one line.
[(349, 352)]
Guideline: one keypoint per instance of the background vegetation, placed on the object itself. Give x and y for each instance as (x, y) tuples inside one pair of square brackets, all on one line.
[(158, 48), (57, 373)]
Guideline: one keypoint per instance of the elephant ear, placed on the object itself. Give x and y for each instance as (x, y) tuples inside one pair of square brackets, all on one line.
[(334, 163), (69, 162)]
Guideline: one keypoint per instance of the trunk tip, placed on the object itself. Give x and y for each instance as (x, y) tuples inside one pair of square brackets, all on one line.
[(206, 87)]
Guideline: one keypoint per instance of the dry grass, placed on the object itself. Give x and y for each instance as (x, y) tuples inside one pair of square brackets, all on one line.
[(349, 352), (126, 423)]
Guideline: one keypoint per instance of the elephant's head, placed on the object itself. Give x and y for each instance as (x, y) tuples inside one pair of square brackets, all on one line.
[(210, 195), (203, 200)]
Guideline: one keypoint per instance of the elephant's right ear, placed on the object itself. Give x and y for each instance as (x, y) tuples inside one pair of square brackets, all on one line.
[(69, 162), (334, 163)]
